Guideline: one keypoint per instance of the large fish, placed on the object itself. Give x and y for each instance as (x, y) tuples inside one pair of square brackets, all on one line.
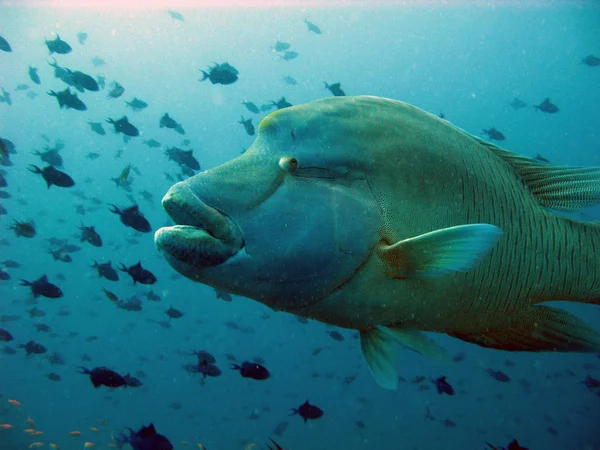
[(371, 214)]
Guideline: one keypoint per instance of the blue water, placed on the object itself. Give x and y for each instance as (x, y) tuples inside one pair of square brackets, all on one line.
[(466, 61)]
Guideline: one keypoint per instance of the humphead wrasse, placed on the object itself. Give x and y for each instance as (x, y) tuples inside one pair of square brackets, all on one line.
[(371, 214)]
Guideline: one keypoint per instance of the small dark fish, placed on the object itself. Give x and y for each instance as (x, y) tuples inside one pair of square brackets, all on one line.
[(33, 348), (589, 382), (116, 91), (23, 229), (280, 428), (102, 376), (106, 270), (591, 60), (152, 143), (33, 74), (3, 212), (42, 328), (84, 81), (53, 376), (60, 255), (5, 97), (167, 121), (124, 126), (145, 439), (92, 155), (97, 61), (247, 126), (312, 27), (132, 381), (4, 45), (449, 423), (252, 370), (90, 235), (498, 375), (289, 55), (43, 287), (53, 176), (443, 387), (97, 128), (36, 312), (153, 296), (5, 336), (175, 15), (221, 74), (335, 89), (290, 80), (541, 158), (281, 103), (336, 336), (58, 46), (494, 134), (136, 104), (9, 350), (222, 295), (66, 99), (185, 158), (82, 37), (139, 274), (281, 46), (514, 445), (50, 156), (250, 106), (517, 104), (174, 313), (111, 296), (132, 217), (307, 411), (204, 357), (547, 107)]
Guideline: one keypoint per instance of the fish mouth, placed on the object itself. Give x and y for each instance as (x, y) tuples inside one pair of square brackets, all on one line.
[(202, 237)]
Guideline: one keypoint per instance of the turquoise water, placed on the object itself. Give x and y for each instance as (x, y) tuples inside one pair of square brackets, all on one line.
[(466, 61)]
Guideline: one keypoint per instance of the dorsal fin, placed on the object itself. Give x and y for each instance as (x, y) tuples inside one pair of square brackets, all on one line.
[(557, 187)]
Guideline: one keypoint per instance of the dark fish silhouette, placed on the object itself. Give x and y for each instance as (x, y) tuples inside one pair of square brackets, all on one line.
[(139, 274), (102, 376), (247, 123), (84, 81), (33, 74), (5, 336), (132, 217), (50, 156), (176, 15), (136, 104), (145, 439), (132, 381), (66, 99), (289, 55), (4, 45), (221, 74), (281, 46), (168, 122), (250, 106), (124, 126), (498, 375), (517, 103), (58, 46), (53, 176), (222, 295), (116, 91), (307, 411), (33, 348), (82, 37), (183, 157), (106, 270), (252, 370), (43, 287), (443, 387), (335, 89), (23, 229), (514, 445), (281, 103), (494, 134), (90, 235), (547, 107), (336, 336), (591, 60), (174, 313), (312, 27), (97, 128)]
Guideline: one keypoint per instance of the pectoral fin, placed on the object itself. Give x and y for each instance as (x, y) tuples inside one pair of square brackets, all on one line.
[(454, 249), (377, 348), (539, 329)]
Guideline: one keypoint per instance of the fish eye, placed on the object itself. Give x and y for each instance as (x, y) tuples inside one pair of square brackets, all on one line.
[(288, 163)]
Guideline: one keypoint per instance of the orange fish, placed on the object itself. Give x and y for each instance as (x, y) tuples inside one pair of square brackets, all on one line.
[(6, 426), (95, 430), (29, 431), (30, 422), (88, 444), (14, 403), (75, 433), (37, 433), (36, 445)]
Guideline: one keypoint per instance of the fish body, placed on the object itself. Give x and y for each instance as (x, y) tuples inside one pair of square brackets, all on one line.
[(23, 229), (116, 91), (290, 80), (132, 217), (547, 107), (280, 46), (393, 222), (335, 89), (68, 100), (50, 156), (183, 157), (174, 313), (307, 411), (442, 386), (90, 235), (248, 126), (168, 122), (5, 336), (176, 15), (281, 103), (517, 104), (97, 128), (53, 176), (252, 370), (221, 74), (289, 55), (106, 270), (132, 381), (4, 45), (312, 27), (251, 107), (82, 37), (43, 287), (152, 143), (33, 75), (591, 60), (85, 81), (58, 46), (102, 376), (139, 274), (145, 439), (124, 126), (494, 134), (33, 348), (136, 104)]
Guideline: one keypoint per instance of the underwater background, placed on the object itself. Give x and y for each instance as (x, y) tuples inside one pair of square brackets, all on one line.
[(465, 60)]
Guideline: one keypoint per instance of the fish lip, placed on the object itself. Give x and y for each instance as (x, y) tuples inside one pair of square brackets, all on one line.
[(203, 236)]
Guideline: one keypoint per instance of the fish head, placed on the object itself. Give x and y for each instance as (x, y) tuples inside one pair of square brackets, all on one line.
[(289, 221)]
